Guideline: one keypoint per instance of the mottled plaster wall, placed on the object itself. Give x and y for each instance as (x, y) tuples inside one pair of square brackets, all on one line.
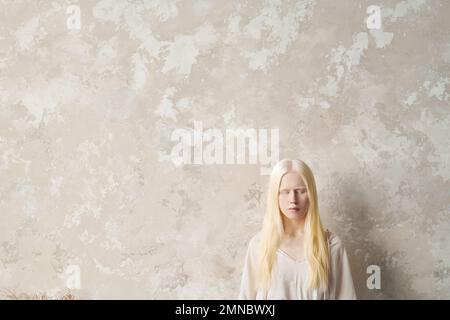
[(87, 115)]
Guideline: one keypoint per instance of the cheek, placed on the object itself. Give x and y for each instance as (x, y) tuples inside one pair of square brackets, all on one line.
[(305, 199), (283, 204)]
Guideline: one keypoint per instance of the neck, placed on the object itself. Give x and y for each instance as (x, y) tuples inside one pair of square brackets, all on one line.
[(293, 228)]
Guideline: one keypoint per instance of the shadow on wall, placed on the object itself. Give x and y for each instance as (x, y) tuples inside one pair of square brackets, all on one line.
[(357, 224)]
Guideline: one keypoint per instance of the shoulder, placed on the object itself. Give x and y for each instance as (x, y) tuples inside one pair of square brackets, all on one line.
[(255, 240), (253, 246), (334, 240)]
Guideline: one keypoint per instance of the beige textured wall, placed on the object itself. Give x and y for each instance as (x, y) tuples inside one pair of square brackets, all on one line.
[(87, 116)]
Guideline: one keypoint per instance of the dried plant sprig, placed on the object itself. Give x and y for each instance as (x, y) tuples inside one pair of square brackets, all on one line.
[(12, 295)]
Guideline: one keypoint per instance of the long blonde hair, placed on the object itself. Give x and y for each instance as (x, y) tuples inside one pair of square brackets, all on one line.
[(315, 244)]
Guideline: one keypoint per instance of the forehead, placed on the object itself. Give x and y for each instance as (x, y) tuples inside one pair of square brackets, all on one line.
[(292, 179)]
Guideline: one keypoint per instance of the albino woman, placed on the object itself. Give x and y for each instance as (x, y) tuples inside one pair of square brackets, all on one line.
[(293, 257)]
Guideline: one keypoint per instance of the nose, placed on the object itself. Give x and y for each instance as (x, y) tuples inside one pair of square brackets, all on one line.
[(292, 197)]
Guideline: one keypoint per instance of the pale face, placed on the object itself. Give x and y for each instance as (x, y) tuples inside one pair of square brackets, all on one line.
[(293, 196)]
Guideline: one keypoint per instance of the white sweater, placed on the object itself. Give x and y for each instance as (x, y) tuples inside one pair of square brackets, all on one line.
[(290, 277)]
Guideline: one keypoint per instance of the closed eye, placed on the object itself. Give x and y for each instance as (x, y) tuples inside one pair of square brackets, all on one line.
[(297, 191)]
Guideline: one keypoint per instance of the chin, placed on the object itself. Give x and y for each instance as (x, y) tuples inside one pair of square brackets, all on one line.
[(295, 216)]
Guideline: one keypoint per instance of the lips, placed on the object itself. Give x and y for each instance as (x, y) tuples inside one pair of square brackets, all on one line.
[(294, 209)]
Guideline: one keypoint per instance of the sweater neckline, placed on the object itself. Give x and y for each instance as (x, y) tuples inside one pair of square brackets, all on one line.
[(291, 258)]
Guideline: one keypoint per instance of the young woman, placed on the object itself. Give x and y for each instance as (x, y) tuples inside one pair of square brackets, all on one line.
[(293, 257)]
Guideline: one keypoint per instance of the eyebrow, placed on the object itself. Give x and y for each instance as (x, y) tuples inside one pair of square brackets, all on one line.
[(294, 189)]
